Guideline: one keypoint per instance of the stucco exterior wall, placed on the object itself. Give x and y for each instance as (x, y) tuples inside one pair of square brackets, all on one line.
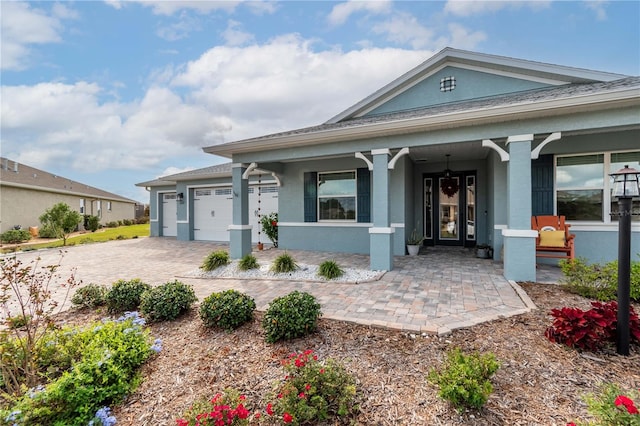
[(24, 206)]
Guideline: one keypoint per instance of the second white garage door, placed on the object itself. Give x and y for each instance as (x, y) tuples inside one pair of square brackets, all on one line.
[(213, 211)]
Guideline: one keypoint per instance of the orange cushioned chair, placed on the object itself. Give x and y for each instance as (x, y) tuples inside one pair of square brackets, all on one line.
[(554, 239)]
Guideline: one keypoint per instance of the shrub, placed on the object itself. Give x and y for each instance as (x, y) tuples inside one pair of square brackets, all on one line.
[(284, 263), (31, 288), (228, 309), (91, 223), (167, 301), (60, 220), (464, 379), (248, 262), (291, 316), (90, 296), (47, 231), (590, 329), (105, 371), (127, 222), (329, 269), (228, 408), (313, 391), (112, 224), (15, 236), (596, 281), (125, 295), (215, 260), (269, 224), (613, 406)]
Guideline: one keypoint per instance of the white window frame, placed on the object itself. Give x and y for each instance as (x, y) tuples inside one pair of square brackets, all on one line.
[(108, 206), (606, 187), (82, 206), (355, 195)]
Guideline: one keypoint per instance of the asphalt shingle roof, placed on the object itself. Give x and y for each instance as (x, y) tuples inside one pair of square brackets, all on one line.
[(12, 172)]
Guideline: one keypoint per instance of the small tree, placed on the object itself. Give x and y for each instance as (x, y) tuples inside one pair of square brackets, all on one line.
[(61, 221)]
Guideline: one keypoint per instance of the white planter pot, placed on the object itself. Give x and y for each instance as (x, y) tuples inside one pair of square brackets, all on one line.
[(413, 250)]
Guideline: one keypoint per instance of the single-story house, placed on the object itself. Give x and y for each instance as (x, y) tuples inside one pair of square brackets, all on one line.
[(198, 204), (26, 192), (464, 149)]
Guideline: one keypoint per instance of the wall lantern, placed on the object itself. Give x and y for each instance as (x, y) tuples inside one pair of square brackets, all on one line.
[(180, 197), (626, 185)]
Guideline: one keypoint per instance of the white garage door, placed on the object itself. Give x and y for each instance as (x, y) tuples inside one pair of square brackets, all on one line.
[(212, 214), (267, 201), (169, 215), (213, 211)]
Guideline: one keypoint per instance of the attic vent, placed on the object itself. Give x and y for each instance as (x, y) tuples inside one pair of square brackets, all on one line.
[(447, 84)]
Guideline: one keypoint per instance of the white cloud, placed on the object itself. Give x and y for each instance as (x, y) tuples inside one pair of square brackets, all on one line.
[(229, 93), (24, 26), (477, 7), (405, 29), (284, 84), (173, 171), (599, 8), (461, 38), (341, 12), (164, 7), (185, 25), (234, 36)]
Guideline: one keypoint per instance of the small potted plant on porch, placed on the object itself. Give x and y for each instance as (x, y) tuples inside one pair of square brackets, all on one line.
[(483, 251), (414, 242)]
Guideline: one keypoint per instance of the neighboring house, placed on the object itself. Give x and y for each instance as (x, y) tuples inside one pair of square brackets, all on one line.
[(465, 148), (26, 192), (198, 204)]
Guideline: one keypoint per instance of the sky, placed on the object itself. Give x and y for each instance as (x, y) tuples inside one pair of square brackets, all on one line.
[(113, 93)]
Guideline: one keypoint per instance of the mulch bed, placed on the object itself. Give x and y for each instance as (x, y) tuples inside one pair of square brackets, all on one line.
[(538, 383)]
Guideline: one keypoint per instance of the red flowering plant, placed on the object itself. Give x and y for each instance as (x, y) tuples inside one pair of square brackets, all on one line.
[(312, 391), (269, 224), (222, 410), (590, 329), (613, 406)]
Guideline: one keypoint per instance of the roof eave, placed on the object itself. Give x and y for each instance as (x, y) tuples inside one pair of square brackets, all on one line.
[(622, 98), (62, 191)]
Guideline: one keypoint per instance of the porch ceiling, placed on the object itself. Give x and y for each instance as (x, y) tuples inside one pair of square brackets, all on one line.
[(459, 152)]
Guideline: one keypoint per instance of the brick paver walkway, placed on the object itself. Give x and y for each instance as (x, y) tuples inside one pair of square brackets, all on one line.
[(436, 292)]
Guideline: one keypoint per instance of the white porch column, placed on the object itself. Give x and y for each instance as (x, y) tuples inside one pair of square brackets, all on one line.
[(240, 230)]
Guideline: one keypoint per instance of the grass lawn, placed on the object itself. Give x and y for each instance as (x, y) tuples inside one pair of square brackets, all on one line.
[(104, 234)]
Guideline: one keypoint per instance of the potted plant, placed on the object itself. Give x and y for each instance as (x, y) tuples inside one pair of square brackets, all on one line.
[(483, 251), (414, 242)]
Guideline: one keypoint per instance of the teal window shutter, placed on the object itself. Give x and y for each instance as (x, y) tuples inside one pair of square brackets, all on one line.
[(311, 197), (542, 186), (364, 195)]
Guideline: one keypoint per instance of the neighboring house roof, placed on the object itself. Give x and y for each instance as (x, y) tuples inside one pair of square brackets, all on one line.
[(216, 171), (551, 100), (523, 69), (17, 174)]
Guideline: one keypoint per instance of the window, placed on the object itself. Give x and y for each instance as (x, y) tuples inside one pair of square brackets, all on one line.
[(109, 206), (583, 185), (337, 196), (81, 205), (99, 208), (447, 84)]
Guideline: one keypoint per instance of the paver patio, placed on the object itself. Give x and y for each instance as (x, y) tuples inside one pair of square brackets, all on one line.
[(440, 290)]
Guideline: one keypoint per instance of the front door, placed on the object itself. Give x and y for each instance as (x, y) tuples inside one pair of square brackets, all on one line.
[(450, 209)]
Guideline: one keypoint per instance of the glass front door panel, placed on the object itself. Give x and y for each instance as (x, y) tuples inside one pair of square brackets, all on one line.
[(428, 209), (471, 208), (449, 207)]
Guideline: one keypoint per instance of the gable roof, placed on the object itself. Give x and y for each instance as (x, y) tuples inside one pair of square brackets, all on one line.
[(520, 68), (512, 106), (17, 174), (216, 171)]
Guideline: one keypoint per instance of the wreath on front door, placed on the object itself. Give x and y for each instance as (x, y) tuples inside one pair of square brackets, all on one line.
[(449, 186)]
